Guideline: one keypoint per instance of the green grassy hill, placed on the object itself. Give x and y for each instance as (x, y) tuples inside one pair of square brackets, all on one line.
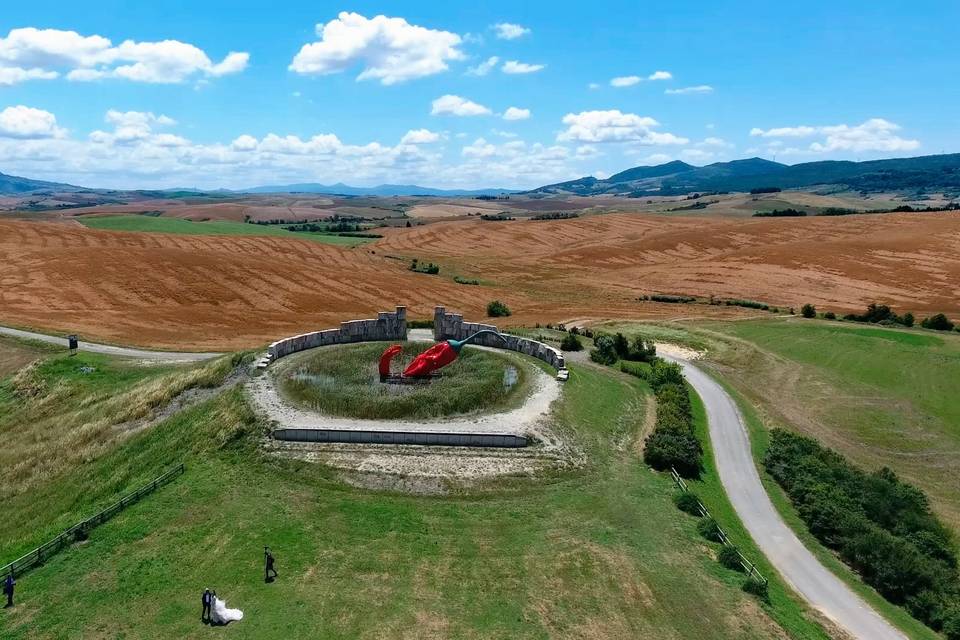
[(596, 552)]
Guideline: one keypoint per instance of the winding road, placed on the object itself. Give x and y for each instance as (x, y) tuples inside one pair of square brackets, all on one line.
[(800, 568), (169, 357)]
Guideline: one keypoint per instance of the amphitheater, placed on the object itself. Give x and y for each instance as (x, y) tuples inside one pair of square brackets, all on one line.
[(421, 455)]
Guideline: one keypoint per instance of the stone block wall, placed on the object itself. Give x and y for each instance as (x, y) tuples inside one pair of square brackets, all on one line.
[(452, 326), (388, 325)]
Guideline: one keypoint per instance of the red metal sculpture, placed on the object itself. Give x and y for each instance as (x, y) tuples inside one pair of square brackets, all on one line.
[(431, 360)]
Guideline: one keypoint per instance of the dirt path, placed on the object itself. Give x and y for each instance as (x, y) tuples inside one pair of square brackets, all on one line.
[(111, 350)]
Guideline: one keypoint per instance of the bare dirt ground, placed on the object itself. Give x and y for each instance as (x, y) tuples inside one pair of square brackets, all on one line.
[(218, 293)]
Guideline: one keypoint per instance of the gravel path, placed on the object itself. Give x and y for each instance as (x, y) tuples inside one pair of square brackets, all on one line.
[(801, 569), (111, 350)]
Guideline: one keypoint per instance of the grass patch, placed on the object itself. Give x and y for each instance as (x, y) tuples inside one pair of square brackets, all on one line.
[(878, 396), (343, 381), (598, 552), (151, 224), (759, 441)]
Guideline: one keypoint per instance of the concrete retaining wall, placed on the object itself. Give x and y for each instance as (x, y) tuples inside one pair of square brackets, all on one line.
[(451, 326), (427, 438), (387, 326)]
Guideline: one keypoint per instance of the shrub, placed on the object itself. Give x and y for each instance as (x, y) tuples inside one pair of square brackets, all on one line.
[(881, 526), (808, 311), (571, 342), (756, 587), (729, 557), (908, 319), (663, 372), (938, 322), (830, 315), (497, 309), (710, 530), (604, 351), (460, 280), (667, 448), (688, 503)]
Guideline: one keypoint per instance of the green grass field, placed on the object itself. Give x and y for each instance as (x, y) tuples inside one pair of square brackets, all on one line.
[(151, 224), (880, 396), (343, 381), (600, 551)]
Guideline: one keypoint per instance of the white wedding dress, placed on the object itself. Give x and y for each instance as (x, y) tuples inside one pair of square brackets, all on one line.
[(220, 614)]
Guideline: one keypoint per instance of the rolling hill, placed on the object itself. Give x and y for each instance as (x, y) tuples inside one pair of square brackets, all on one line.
[(940, 172), (16, 184), (380, 190)]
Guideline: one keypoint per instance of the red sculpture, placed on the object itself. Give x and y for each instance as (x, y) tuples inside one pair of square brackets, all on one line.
[(431, 360)]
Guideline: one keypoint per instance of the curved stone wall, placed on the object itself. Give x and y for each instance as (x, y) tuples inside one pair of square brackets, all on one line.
[(451, 326), (388, 325)]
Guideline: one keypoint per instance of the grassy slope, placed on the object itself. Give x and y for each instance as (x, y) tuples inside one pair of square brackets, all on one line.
[(211, 228), (839, 361), (598, 553), (880, 396)]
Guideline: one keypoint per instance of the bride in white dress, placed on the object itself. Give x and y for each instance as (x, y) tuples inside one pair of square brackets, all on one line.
[(220, 614)]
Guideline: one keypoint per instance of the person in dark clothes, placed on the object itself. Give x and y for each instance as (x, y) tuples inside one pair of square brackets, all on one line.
[(207, 600), (8, 586), (268, 565)]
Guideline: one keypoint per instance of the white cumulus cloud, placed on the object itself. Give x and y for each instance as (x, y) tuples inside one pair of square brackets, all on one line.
[(625, 81), (698, 89), (875, 134), (484, 67), (391, 50), (614, 126), (510, 31), (514, 67), (660, 75), (515, 113), (27, 123), (452, 105), (30, 53), (419, 136)]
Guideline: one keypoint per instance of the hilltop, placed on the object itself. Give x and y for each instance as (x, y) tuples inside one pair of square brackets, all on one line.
[(17, 184), (672, 178)]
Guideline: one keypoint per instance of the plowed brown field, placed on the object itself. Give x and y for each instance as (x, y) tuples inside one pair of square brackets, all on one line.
[(229, 292)]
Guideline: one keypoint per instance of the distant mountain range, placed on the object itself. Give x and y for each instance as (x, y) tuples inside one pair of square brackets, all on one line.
[(16, 184), (380, 190), (675, 178), (940, 172)]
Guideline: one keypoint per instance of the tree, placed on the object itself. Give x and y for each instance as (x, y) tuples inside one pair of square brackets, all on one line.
[(571, 342), (497, 309), (908, 319), (938, 322), (604, 351), (808, 311)]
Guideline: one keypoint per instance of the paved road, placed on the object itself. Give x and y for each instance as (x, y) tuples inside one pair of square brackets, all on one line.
[(818, 586), (110, 350)]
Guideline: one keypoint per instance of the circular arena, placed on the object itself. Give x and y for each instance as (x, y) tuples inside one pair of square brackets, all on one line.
[(485, 414)]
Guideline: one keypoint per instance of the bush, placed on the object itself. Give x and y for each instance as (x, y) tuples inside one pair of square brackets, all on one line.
[(604, 351), (882, 527), (710, 530), (729, 557), (571, 342), (497, 309), (756, 587), (938, 322), (908, 319), (688, 503), (808, 311), (667, 448), (830, 315), (663, 372)]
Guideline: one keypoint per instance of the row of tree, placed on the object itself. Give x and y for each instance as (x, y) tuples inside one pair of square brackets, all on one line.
[(882, 527), (673, 442)]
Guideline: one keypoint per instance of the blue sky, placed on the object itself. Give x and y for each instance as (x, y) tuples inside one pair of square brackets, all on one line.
[(95, 93)]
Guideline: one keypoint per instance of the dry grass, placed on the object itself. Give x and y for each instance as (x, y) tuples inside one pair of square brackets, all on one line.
[(60, 412)]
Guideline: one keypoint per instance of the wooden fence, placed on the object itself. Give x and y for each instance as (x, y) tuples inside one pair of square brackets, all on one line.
[(748, 566), (80, 530)]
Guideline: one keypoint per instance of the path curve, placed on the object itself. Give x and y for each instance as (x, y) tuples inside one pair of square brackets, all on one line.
[(111, 350), (823, 590)]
